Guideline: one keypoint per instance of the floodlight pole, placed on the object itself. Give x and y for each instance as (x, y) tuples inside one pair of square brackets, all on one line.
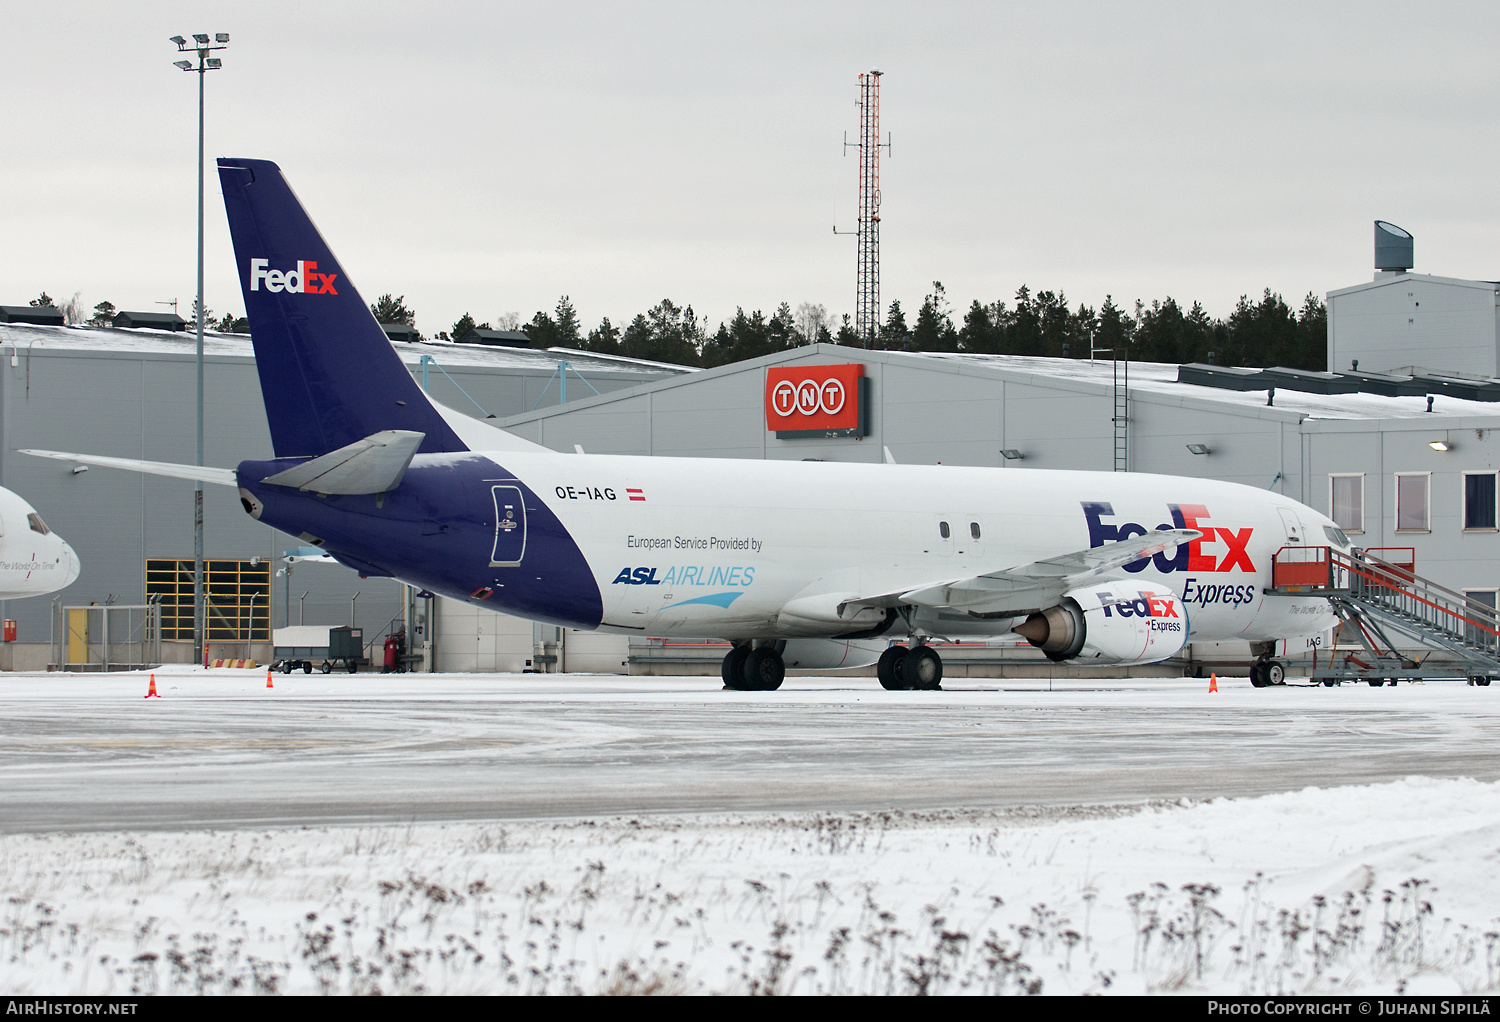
[(200, 623)]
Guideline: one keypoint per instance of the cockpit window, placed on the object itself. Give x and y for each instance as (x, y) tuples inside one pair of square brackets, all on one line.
[(37, 525), (1336, 535)]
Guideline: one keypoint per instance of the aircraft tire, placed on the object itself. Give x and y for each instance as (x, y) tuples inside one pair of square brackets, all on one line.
[(888, 668), (1275, 673), (733, 667), (922, 669), (1258, 675), (764, 670)]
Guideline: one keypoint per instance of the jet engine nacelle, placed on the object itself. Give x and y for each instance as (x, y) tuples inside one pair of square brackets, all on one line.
[(1111, 623), (831, 654)]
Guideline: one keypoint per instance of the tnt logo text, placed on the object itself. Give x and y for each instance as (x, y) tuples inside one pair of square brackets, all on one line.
[(1188, 556), (304, 280)]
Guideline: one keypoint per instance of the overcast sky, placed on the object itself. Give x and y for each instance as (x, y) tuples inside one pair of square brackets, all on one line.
[(490, 157)]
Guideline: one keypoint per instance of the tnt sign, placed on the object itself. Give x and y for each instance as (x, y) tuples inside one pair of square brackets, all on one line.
[(816, 401)]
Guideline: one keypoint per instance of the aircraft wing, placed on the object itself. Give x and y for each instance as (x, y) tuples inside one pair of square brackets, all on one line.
[(221, 476), (1028, 588)]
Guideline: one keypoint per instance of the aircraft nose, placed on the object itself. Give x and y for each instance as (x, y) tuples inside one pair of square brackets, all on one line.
[(71, 565)]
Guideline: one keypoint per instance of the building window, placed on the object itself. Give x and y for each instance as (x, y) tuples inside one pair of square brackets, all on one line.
[(1479, 501), (1413, 501), (237, 596), (1483, 614), (1346, 495)]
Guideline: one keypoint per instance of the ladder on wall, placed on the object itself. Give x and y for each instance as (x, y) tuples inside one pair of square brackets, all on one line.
[(1121, 417), (1374, 597)]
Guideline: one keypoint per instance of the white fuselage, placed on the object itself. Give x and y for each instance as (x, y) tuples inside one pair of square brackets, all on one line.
[(34, 561), (700, 547)]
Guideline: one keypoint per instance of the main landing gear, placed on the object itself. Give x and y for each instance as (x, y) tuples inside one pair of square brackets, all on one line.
[(916, 667), (757, 669)]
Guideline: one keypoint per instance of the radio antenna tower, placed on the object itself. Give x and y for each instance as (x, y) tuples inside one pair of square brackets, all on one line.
[(867, 296)]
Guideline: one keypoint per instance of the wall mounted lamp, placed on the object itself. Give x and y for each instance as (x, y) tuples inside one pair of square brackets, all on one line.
[(1198, 448), (1011, 454), (1440, 445)]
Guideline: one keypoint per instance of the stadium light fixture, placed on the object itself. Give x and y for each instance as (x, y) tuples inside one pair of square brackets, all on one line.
[(205, 64)]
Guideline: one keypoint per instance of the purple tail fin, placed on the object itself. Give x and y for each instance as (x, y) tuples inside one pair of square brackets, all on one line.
[(328, 375)]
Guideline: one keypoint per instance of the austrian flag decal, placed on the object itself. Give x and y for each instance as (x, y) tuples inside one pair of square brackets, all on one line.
[(635, 494)]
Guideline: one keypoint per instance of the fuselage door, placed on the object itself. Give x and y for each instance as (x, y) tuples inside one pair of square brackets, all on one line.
[(510, 527), (1294, 533)]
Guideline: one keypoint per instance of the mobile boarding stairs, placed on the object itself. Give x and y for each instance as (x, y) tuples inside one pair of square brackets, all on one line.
[(1374, 598)]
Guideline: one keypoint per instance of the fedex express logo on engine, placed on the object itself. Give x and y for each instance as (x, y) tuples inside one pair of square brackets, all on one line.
[(1149, 605), (1233, 554), (304, 280)]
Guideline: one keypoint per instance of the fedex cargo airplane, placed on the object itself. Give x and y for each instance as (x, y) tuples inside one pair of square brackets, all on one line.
[(810, 565)]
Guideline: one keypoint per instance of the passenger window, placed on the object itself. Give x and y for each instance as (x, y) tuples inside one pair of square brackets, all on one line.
[(943, 530), (974, 529), (37, 525)]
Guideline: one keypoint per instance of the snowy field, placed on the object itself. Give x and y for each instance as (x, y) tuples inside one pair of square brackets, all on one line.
[(493, 834), (1368, 889)]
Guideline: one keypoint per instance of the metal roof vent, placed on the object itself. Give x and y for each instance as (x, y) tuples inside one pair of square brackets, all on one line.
[(1393, 248)]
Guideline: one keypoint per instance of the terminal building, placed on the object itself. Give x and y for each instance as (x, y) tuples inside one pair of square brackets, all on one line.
[(1402, 451)]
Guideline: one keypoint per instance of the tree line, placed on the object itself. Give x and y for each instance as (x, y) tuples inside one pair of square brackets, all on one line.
[(1257, 333)]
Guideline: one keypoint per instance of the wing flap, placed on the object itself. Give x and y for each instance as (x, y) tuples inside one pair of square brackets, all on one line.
[(1028, 587)]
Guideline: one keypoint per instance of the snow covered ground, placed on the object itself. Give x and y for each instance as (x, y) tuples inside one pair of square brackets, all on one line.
[(1370, 889)]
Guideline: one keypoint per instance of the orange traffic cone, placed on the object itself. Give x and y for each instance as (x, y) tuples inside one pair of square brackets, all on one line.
[(1213, 683), (151, 692), (268, 678)]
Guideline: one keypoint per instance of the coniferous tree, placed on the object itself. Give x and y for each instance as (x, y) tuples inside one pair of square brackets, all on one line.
[(894, 335), (542, 331), (461, 328), (604, 338), (846, 335), (387, 309), (104, 314), (569, 331)]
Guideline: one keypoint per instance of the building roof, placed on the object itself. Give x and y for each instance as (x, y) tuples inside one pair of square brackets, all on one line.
[(1385, 279), (48, 314), (150, 320), (221, 345), (503, 338), (1149, 381)]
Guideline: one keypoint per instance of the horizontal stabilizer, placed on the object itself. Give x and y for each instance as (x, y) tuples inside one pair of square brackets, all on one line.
[(372, 465), (219, 476)]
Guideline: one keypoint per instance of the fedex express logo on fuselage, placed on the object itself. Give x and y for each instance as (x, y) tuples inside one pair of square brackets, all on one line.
[(1235, 555), (304, 280)]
